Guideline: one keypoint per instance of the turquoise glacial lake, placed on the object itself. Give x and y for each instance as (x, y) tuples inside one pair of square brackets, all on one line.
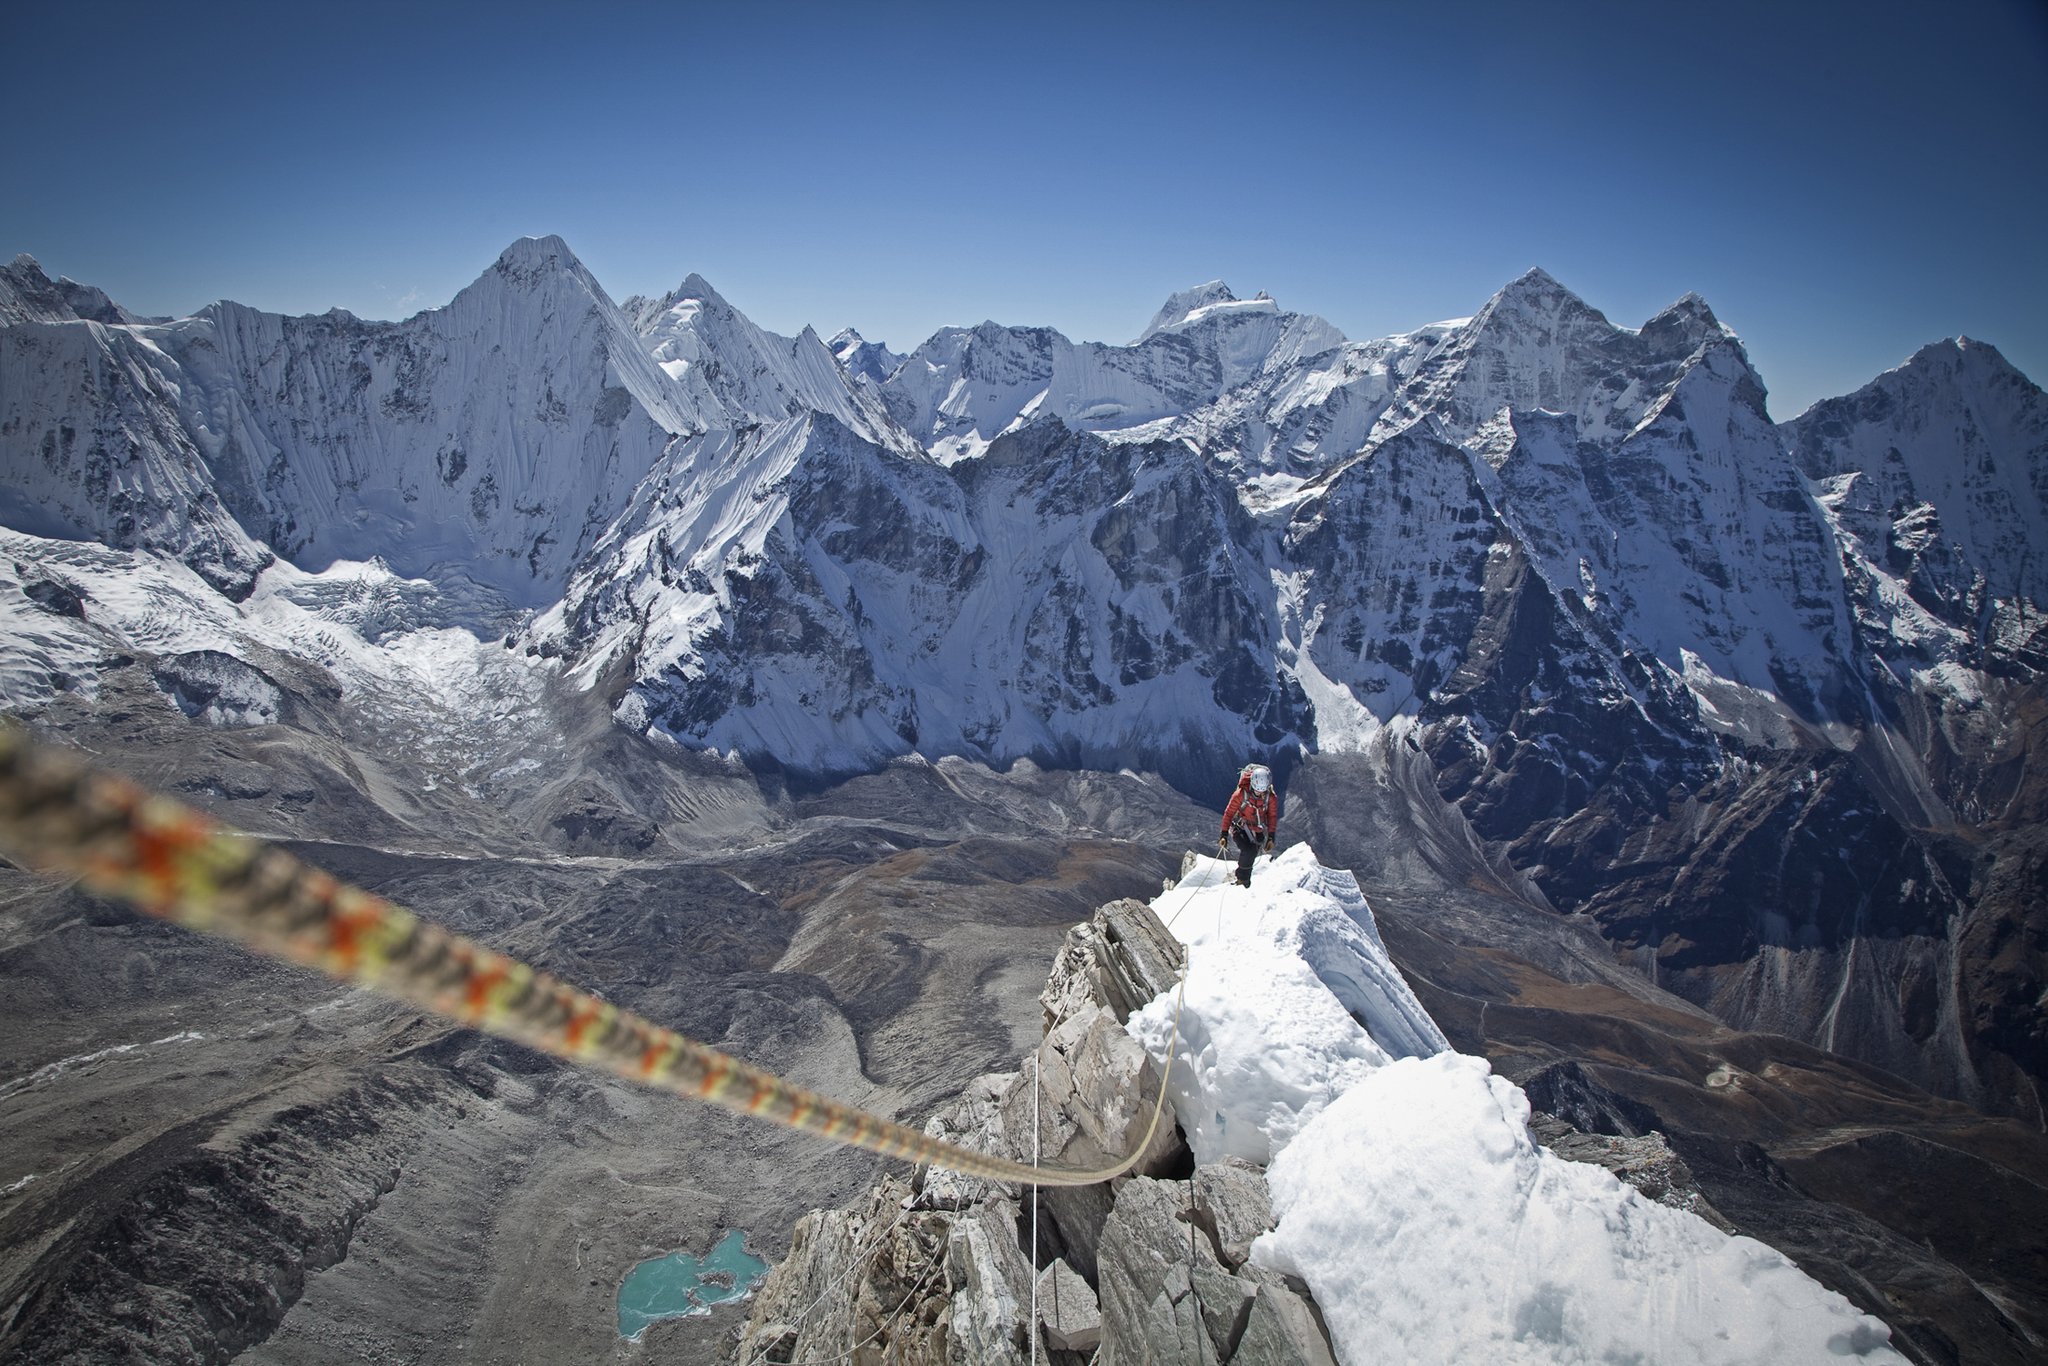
[(679, 1285)]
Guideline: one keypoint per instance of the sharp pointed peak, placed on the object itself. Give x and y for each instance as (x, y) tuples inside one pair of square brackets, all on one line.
[(1537, 283), (1691, 304), (1689, 322), (1537, 291), (695, 286), (532, 263)]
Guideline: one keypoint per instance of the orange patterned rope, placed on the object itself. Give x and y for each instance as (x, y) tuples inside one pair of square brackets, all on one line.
[(62, 816)]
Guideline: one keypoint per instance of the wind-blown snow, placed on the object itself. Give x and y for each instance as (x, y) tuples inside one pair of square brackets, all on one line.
[(1407, 1190)]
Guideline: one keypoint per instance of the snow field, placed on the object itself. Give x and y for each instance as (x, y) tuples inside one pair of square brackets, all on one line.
[(1407, 1190)]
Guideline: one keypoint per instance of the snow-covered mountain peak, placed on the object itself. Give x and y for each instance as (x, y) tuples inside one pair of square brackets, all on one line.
[(532, 264), (864, 360), (1951, 449), (698, 291), (536, 253), (738, 372), (1538, 346), (1944, 374), (1179, 306), (1961, 357), (1537, 295), (1685, 325), (29, 295), (534, 278)]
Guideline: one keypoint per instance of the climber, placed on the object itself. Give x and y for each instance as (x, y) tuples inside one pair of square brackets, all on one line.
[(1253, 815)]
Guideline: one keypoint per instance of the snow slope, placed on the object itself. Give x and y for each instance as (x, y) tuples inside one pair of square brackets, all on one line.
[(735, 372), (1407, 1190), (378, 644)]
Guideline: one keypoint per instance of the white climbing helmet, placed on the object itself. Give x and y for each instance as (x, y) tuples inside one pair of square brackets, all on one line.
[(1261, 777)]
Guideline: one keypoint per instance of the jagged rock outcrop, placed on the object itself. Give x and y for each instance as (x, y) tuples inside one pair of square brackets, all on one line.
[(1149, 1268), (1645, 1161)]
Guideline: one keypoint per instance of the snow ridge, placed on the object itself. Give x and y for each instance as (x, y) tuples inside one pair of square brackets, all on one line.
[(1407, 1190)]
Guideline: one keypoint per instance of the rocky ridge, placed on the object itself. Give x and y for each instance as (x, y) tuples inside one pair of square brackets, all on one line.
[(938, 1268), (1155, 1266)]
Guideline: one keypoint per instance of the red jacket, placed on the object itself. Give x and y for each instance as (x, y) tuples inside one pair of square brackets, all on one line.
[(1256, 812)]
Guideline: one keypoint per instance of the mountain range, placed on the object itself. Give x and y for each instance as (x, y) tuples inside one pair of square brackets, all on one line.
[(1533, 612)]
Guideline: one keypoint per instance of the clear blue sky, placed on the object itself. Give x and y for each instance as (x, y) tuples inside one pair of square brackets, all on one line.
[(1843, 182)]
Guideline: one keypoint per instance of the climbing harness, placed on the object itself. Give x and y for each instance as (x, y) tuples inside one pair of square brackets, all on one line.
[(62, 816)]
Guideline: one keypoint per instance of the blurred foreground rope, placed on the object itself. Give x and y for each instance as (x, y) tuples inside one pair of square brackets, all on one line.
[(62, 816)]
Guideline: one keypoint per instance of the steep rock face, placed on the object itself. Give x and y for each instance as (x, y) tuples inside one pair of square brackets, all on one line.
[(1537, 346), (495, 437), (501, 434), (96, 448), (28, 295), (1389, 554), (1951, 453), (734, 371), (1290, 422), (800, 592), (1935, 479), (863, 360)]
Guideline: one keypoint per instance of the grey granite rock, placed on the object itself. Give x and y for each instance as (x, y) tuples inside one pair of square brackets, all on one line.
[(993, 1288), (1233, 1206), (1068, 1313), (1281, 1330)]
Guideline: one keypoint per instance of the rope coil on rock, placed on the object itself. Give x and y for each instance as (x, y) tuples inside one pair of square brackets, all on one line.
[(63, 816)]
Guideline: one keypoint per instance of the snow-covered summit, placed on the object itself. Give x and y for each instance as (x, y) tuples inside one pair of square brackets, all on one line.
[(1948, 453), (533, 256), (1688, 323), (737, 372), (1179, 306), (861, 358), (29, 295)]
